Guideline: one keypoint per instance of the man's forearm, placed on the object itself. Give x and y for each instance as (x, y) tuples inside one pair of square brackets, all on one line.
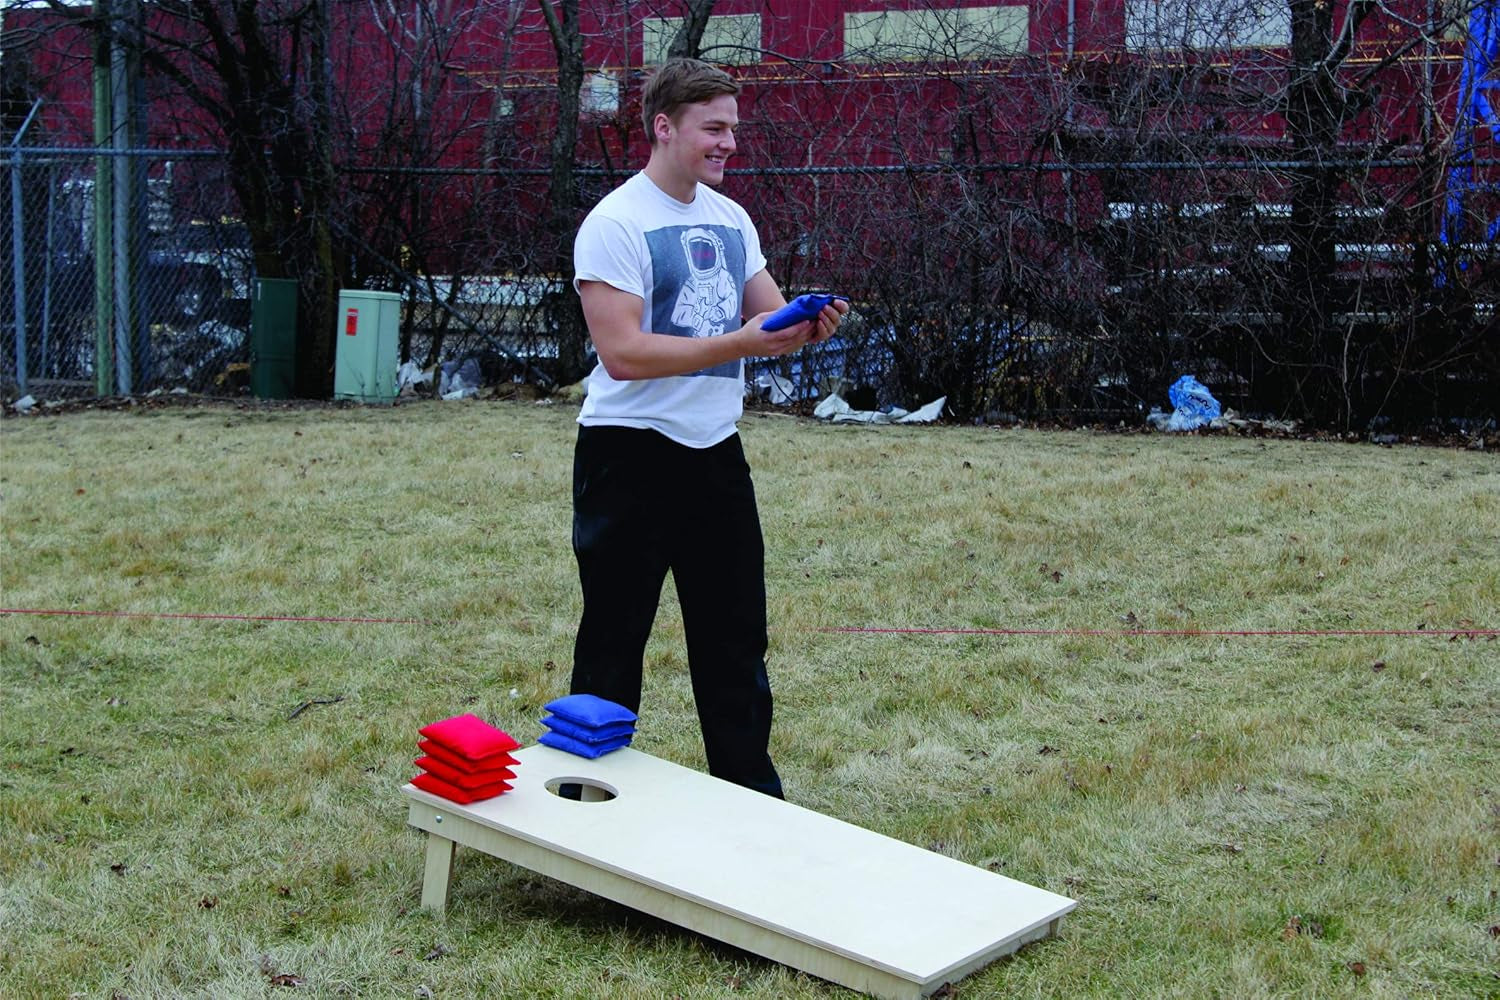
[(653, 355)]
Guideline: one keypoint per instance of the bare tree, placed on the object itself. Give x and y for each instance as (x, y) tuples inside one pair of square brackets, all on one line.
[(566, 313), (255, 76), (688, 40)]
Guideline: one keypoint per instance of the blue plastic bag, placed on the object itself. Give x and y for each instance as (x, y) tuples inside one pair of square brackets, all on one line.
[(1194, 406)]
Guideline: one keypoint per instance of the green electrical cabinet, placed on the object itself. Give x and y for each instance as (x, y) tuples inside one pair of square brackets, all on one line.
[(273, 337), (365, 362)]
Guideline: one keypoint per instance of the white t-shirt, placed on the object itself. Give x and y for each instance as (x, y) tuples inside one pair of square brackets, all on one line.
[(688, 263)]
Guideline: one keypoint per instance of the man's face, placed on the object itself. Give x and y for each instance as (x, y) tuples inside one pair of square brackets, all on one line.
[(702, 138)]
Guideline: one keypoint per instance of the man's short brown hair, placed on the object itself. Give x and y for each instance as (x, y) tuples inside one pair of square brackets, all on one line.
[(681, 81)]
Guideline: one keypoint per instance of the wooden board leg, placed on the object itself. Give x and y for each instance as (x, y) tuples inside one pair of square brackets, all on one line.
[(435, 877)]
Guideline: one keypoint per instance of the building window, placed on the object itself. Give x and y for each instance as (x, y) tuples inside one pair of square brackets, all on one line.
[(600, 94), (732, 39), (1206, 24), (943, 35), (1456, 15)]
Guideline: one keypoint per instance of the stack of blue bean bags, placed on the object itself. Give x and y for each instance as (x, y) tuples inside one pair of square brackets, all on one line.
[(587, 725)]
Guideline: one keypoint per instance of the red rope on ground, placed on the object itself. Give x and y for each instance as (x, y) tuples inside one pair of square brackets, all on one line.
[(223, 618), (1468, 633)]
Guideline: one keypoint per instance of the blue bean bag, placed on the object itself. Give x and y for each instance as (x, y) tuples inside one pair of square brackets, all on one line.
[(589, 710), (590, 750), (588, 734)]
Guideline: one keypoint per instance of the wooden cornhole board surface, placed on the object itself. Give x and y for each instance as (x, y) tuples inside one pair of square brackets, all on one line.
[(824, 896)]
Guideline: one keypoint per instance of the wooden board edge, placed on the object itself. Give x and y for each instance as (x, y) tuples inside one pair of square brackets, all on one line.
[(543, 857)]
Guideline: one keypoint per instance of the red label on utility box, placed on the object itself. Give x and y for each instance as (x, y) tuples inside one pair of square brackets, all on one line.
[(351, 323)]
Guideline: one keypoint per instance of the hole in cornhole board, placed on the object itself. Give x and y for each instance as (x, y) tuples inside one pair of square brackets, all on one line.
[(581, 789)]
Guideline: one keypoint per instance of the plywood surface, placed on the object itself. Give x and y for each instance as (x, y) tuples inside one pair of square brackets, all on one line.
[(882, 902)]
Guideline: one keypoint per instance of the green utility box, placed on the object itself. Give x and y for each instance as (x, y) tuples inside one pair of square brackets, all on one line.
[(273, 337), (365, 362)]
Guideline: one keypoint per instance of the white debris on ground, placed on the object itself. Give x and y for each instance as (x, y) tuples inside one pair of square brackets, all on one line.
[(410, 376), (835, 409), (1229, 420)]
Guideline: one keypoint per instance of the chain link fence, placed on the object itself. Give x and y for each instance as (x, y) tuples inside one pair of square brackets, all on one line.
[(174, 309), (1016, 290), (158, 296)]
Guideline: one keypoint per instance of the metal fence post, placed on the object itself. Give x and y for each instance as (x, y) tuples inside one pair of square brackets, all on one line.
[(18, 245), (50, 241), (18, 264), (125, 237), (103, 202)]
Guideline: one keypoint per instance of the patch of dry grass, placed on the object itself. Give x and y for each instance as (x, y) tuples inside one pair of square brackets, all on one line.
[(1272, 816)]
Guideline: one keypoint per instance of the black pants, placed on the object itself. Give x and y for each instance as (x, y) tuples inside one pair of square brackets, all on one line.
[(643, 505)]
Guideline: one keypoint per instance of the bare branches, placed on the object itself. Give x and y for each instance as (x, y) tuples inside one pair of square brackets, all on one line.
[(1034, 217)]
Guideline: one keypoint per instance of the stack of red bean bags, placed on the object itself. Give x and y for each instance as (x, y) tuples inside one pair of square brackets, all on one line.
[(466, 759)]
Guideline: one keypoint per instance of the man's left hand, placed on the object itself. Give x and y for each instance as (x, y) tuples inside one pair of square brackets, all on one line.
[(828, 321)]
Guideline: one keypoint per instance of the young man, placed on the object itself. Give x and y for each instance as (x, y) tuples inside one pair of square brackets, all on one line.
[(667, 269)]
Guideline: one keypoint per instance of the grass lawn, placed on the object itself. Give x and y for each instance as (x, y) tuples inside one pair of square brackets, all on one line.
[(210, 808)]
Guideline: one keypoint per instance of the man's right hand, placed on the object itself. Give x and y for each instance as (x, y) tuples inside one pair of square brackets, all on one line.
[(775, 343)]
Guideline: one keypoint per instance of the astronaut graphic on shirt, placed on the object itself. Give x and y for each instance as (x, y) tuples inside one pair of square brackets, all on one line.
[(710, 298)]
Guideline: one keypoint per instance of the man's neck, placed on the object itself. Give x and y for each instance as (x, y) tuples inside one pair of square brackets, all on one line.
[(683, 189)]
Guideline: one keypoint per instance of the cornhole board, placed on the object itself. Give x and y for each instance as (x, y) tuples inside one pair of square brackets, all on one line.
[(827, 897)]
